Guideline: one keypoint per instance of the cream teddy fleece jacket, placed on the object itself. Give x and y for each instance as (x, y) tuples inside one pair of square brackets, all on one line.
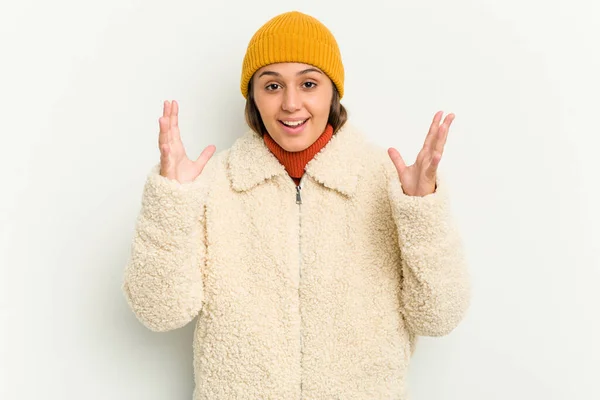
[(315, 292)]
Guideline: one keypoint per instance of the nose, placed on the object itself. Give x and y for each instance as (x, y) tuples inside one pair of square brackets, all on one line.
[(291, 100)]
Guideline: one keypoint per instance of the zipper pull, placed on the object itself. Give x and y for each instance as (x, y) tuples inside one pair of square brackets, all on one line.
[(298, 197)]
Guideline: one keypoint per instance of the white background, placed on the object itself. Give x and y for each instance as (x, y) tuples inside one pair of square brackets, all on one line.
[(81, 89)]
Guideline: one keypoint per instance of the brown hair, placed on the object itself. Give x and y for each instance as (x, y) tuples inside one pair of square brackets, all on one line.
[(337, 112)]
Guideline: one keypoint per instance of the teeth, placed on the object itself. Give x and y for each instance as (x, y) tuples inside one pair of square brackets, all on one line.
[(293, 123)]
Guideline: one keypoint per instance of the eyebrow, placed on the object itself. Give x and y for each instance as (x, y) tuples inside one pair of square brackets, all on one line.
[(305, 71)]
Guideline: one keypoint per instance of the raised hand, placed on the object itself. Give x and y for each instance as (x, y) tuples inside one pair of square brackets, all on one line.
[(419, 179), (174, 162)]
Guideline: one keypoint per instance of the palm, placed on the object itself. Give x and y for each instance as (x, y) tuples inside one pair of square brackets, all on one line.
[(419, 179), (174, 162)]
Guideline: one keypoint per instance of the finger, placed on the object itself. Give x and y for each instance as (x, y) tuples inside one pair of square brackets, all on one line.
[(165, 149), (431, 170), (442, 136), (433, 128), (163, 135), (163, 124), (166, 121), (168, 105), (174, 115), (174, 131), (397, 159), (206, 154)]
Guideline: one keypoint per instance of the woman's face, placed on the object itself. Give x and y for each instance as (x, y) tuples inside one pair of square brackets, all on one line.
[(293, 100)]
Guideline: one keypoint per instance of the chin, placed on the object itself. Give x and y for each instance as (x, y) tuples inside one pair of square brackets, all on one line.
[(295, 143), (297, 148), (292, 145)]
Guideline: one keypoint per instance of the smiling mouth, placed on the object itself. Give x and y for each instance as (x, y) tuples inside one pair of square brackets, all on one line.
[(293, 124)]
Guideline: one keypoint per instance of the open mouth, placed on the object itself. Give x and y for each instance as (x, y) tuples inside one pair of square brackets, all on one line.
[(293, 124)]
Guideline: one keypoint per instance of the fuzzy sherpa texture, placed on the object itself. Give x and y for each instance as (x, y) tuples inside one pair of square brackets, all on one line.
[(318, 300)]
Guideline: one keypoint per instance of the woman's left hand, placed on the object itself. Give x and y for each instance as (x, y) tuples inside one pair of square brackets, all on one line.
[(419, 179)]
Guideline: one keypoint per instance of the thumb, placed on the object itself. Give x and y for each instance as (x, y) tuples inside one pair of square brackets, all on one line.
[(204, 157), (397, 159)]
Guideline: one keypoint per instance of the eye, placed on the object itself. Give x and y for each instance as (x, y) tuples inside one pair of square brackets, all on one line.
[(271, 86), (310, 85)]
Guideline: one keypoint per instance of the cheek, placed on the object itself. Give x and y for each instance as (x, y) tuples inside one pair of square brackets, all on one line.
[(319, 106), (267, 106)]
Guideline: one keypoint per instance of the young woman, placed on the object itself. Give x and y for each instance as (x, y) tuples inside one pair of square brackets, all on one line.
[(311, 257)]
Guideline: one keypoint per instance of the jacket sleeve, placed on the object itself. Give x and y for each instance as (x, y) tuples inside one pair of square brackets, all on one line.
[(435, 278), (163, 277)]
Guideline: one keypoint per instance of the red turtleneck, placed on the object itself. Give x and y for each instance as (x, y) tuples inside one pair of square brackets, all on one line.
[(294, 162)]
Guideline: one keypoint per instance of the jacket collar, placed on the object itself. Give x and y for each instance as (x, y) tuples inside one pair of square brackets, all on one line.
[(336, 166)]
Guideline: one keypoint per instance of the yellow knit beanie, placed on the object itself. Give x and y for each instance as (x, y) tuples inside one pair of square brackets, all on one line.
[(294, 37)]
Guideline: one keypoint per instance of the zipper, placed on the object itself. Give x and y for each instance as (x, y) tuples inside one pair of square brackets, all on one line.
[(299, 202)]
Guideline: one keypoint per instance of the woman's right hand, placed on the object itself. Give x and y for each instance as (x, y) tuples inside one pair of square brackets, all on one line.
[(174, 162)]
